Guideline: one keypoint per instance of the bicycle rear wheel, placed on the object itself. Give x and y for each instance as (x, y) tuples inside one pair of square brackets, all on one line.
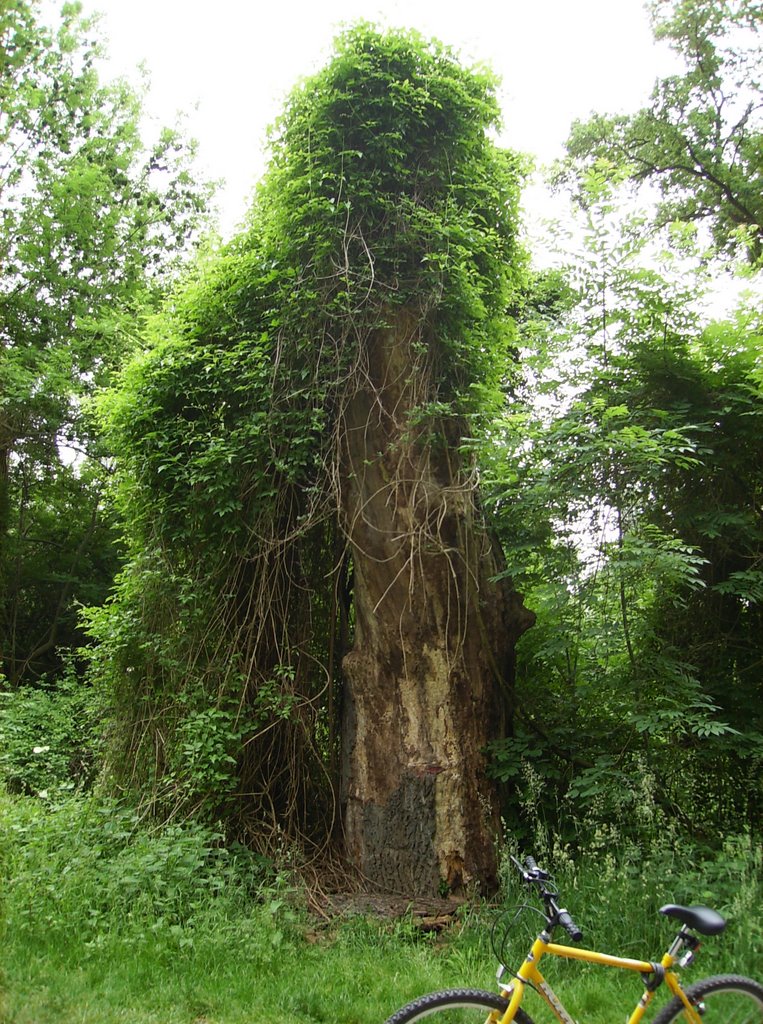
[(723, 999), (457, 1006)]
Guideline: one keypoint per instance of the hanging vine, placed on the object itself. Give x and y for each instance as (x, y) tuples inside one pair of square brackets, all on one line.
[(385, 199)]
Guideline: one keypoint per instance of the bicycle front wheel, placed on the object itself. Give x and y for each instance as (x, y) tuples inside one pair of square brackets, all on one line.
[(457, 1006), (724, 999)]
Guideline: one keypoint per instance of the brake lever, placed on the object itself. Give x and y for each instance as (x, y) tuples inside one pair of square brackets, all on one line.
[(530, 871)]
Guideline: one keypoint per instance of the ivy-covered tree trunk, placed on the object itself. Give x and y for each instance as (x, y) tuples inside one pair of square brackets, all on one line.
[(318, 383), (431, 667)]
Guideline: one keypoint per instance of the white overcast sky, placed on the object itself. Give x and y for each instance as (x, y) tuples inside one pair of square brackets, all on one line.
[(229, 63)]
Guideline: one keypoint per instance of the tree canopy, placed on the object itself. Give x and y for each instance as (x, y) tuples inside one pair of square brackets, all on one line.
[(700, 139), (92, 219)]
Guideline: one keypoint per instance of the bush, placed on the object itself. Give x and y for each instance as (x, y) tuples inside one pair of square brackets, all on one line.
[(49, 738), (87, 868)]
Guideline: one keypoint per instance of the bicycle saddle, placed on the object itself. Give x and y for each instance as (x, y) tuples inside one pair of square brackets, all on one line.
[(701, 919)]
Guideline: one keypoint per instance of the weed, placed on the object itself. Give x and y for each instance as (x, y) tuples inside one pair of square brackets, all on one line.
[(106, 919)]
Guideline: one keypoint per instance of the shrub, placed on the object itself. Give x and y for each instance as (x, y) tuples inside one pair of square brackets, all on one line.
[(48, 737)]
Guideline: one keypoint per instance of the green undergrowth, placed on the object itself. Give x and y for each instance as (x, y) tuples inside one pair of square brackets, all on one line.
[(106, 919)]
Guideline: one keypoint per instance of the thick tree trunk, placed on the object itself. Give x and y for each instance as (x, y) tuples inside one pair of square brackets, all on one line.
[(432, 659)]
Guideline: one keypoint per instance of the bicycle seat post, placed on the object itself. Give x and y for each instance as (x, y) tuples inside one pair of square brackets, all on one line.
[(683, 940)]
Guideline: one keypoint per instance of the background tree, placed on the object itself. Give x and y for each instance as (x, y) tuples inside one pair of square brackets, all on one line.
[(309, 613), (632, 482), (700, 139), (92, 219)]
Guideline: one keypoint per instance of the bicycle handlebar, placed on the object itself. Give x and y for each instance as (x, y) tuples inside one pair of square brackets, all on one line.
[(569, 925), (533, 875)]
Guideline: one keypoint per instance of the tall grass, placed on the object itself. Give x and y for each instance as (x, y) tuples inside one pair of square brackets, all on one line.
[(621, 872), (105, 919)]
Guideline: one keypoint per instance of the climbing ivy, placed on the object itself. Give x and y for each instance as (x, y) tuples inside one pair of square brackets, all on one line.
[(384, 193)]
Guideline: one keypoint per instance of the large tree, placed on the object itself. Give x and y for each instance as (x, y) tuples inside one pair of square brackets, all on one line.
[(91, 218), (310, 612)]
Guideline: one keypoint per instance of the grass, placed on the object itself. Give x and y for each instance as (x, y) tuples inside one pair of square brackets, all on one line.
[(251, 968), (359, 973), (105, 921)]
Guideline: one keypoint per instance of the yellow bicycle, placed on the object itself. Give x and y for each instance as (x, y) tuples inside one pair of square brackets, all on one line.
[(729, 998)]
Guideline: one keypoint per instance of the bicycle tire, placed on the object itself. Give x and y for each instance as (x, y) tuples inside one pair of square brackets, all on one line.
[(729, 998), (456, 1006)]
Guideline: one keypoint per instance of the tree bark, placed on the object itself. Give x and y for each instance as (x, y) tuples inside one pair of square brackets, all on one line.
[(427, 679)]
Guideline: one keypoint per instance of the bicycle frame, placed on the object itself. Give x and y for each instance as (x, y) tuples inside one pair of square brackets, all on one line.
[(529, 974)]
